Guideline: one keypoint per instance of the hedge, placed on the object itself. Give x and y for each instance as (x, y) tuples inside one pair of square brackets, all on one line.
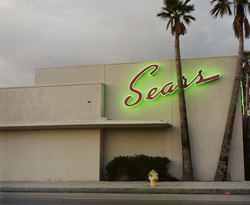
[(137, 168)]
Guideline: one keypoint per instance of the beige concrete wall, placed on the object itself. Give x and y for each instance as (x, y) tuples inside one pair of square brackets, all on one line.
[(51, 104), (75, 74), (52, 155), (207, 107), (124, 142)]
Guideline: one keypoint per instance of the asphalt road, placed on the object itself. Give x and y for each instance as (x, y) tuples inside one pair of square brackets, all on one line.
[(124, 199)]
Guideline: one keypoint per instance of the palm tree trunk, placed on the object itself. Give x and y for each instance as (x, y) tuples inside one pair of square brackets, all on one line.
[(247, 94), (221, 172), (246, 121), (186, 151)]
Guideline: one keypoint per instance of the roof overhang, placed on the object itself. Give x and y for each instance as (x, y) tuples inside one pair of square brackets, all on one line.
[(104, 124)]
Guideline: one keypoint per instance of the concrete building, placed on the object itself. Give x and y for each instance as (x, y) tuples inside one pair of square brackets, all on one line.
[(74, 120)]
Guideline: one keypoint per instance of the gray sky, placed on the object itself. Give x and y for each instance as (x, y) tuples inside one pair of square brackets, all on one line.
[(55, 33)]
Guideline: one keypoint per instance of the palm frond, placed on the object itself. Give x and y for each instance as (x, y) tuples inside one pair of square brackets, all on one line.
[(187, 19), (169, 2), (172, 27), (246, 56), (221, 8), (211, 2), (172, 30), (177, 28), (247, 28), (247, 67), (240, 9), (174, 11), (237, 26), (162, 15), (187, 8), (183, 29), (170, 22), (180, 28)]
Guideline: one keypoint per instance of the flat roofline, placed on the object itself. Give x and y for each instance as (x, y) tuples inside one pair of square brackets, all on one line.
[(135, 62), (52, 85), (109, 124)]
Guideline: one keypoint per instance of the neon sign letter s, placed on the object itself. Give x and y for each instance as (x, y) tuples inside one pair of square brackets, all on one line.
[(137, 92)]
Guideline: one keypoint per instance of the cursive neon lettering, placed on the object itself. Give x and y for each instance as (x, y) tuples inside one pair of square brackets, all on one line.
[(162, 92), (151, 93), (168, 88), (136, 91), (205, 80), (200, 81), (186, 84)]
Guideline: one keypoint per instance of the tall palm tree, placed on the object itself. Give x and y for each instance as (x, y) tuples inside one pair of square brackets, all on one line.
[(245, 83), (240, 21), (177, 12), (246, 61)]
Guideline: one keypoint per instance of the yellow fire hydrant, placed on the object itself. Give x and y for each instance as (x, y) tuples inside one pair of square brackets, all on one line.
[(153, 177)]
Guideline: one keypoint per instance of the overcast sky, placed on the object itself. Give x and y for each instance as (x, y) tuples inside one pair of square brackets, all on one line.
[(55, 33)]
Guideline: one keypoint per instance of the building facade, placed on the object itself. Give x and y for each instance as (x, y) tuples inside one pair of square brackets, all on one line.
[(74, 120)]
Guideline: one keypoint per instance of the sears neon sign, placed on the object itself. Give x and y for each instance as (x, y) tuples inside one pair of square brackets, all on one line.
[(167, 89)]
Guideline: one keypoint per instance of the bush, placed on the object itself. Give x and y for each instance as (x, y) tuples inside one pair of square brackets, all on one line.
[(137, 168)]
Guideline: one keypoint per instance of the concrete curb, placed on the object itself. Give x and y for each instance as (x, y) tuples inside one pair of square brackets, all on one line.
[(149, 190), (178, 187)]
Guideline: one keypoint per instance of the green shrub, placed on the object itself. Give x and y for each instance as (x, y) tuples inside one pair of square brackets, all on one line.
[(137, 168)]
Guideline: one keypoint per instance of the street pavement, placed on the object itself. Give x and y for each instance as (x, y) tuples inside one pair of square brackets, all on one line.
[(178, 187), (18, 198)]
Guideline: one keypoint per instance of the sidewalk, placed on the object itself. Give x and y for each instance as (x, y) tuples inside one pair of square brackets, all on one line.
[(233, 188)]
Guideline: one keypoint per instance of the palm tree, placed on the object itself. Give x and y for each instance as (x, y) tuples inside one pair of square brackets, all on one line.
[(245, 83), (240, 21), (177, 12), (246, 61)]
